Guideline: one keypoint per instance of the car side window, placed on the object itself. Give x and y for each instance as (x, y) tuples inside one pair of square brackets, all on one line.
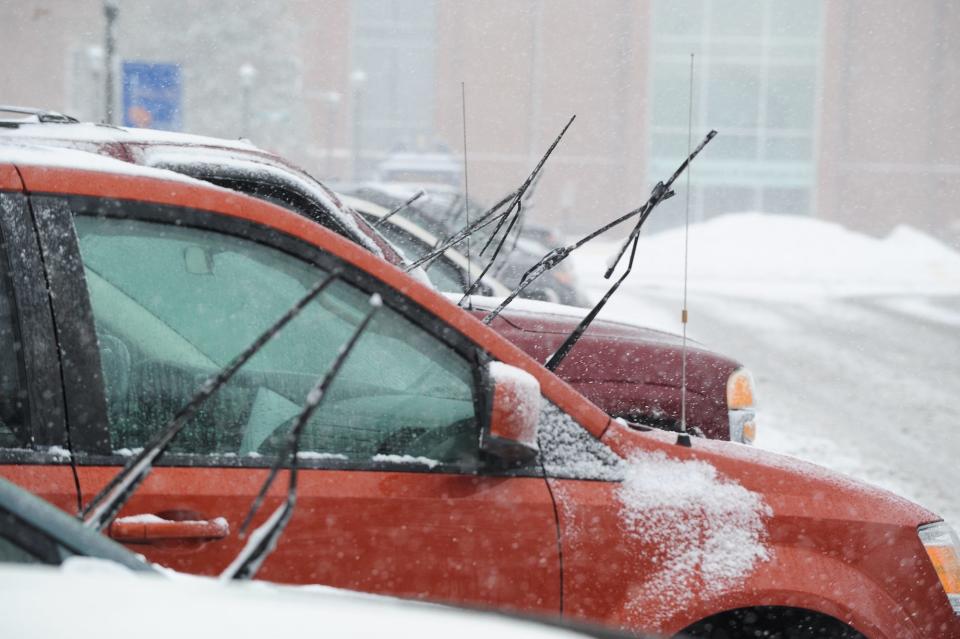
[(13, 393), (174, 304)]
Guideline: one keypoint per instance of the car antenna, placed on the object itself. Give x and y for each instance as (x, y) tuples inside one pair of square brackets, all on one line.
[(661, 191), (419, 194), (486, 219), (263, 540), (466, 192), (515, 204), (107, 503), (683, 437)]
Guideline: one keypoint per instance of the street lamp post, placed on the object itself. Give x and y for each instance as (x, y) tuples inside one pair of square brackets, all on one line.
[(110, 12), (248, 75), (357, 79)]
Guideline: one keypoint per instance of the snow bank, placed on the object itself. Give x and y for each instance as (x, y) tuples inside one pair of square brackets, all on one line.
[(710, 529), (760, 255)]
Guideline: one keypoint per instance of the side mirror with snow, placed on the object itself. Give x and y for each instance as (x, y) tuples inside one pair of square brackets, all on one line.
[(511, 433)]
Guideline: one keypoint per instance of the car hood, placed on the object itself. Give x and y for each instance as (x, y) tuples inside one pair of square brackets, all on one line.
[(609, 351), (794, 490)]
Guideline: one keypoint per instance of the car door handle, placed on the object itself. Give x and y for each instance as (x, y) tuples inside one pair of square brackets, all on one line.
[(148, 528)]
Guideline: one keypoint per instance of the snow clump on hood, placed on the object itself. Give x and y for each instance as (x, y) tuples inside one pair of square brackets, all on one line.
[(709, 528)]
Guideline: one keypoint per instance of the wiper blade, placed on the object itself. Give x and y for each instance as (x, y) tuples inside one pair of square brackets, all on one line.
[(419, 194), (107, 503), (264, 539), (517, 205), (557, 255), (483, 221), (661, 192)]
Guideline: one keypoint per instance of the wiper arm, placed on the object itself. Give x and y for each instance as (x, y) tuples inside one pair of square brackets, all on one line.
[(557, 255), (264, 539), (419, 194), (661, 192), (517, 205), (658, 195), (107, 503), (483, 221)]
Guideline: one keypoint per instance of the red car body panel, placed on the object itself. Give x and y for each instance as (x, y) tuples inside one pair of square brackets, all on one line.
[(837, 547)]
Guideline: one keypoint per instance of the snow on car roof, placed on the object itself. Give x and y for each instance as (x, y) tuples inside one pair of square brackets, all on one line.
[(39, 155), (256, 166), (104, 133)]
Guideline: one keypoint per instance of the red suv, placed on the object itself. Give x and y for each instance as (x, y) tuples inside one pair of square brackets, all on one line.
[(125, 288), (630, 372)]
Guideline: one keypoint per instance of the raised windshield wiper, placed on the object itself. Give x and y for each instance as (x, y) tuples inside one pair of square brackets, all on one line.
[(107, 503), (486, 219), (515, 205), (661, 192), (419, 194), (264, 539)]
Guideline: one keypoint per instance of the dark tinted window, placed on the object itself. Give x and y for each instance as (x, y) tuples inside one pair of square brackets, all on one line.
[(13, 396)]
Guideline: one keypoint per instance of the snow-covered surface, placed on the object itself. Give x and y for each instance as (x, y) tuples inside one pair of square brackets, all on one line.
[(256, 167), (101, 133), (862, 383), (406, 459), (528, 401), (713, 528), (784, 257), (35, 155), (93, 599), (568, 451)]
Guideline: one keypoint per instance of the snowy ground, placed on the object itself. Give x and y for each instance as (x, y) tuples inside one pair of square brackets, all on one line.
[(854, 342)]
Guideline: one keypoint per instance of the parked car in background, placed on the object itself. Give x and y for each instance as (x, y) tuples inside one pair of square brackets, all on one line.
[(442, 213), (451, 272), (633, 373), (34, 532), (444, 464)]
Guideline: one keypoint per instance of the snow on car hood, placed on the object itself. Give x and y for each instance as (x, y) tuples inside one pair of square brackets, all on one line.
[(713, 528)]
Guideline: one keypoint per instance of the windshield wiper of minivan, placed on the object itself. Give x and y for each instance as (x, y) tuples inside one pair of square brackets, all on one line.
[(661, 192), (416, 196), (516, 208), (264, 539), (107, 503)]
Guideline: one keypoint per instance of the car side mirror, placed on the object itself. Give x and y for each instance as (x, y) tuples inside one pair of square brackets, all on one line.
[(511, 434)]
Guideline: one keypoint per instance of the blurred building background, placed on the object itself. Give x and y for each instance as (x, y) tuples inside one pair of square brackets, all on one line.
[(845, 111)]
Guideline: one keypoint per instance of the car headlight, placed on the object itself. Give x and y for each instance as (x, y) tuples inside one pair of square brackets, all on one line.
[(741, 406), (943, 548)]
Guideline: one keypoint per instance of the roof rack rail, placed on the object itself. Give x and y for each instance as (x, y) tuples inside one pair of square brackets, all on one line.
[(41, 114)]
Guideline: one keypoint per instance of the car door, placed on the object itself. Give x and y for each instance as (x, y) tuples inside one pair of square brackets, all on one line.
[(393, 494), (33, 440)]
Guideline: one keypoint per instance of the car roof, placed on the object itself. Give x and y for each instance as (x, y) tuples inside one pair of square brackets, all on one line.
[(123, 181), (108, 133), (67, 530)]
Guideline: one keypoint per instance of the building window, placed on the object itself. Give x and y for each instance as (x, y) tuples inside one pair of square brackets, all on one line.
[(394, 49), (756, 79)]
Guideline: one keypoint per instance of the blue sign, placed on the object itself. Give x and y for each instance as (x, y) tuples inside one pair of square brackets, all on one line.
[(152, 95)]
